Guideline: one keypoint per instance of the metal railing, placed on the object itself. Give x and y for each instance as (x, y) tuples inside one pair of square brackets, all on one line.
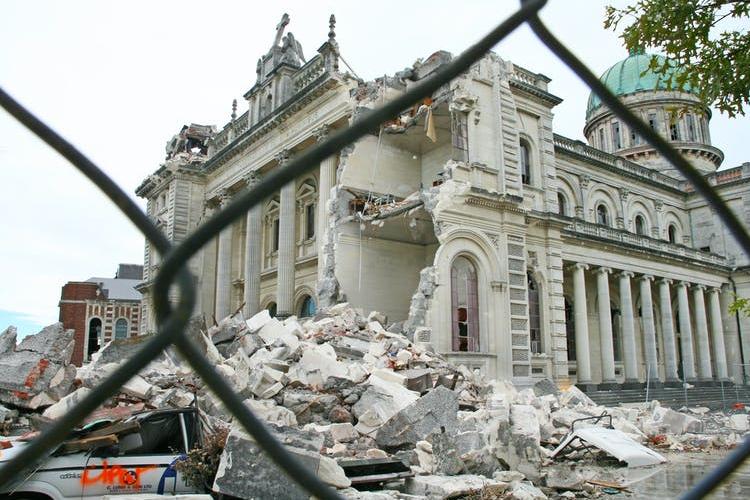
[(173, 320)]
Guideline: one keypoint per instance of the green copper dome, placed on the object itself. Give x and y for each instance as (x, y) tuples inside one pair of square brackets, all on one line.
[(628, 77)]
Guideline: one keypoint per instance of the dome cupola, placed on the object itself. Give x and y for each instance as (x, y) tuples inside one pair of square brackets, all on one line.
[(678, 115)]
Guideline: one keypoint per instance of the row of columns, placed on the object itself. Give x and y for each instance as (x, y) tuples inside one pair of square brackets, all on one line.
[(705, 371), (285, 275)]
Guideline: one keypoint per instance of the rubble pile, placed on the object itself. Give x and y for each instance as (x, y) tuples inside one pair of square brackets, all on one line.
[(342, 390)]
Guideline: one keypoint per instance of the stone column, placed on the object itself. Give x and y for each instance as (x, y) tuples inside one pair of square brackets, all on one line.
[(717, 334), (583, 356), (667, 330), (327, 180), (686, 333), (253, 252), (701, 332), (605, 326), (223, 267), (628, 330), (287, 247), (649, 330)]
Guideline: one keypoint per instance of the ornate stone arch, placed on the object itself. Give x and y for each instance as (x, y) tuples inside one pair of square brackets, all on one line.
[(533, 158), (299, 297), (568, 186), (638, 207), (603, 195), (671, 218)]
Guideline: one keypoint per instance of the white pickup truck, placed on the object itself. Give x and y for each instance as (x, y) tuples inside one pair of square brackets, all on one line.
[(141, 462)]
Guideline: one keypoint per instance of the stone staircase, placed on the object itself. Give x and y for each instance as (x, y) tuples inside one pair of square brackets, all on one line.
[(710, 397)]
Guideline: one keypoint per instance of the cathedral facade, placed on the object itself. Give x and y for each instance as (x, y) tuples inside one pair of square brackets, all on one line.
[(469, 223)]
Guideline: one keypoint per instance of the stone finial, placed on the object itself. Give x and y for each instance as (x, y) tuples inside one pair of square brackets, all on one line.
[(332, 29), (234, 109)]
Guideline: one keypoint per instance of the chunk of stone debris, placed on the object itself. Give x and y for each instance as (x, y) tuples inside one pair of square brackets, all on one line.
[(137, 387), (667, 421), (8, 340), (258, 321), (436, 486), (573, 396), (343, 433), (268, 411), (524, 440), (381, 401), (246, 472), (436, 409), (340, 415), (67, 403), (525, 491), (376, 453), (545, 387), (26, 372)]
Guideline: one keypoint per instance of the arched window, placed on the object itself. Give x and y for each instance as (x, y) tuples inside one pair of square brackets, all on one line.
[(535, 323), (562, 204), (308, 308), (672, 233), (602, 214), (640, 225), (272, 309), (464, 306), (525, 162), (121, 328)]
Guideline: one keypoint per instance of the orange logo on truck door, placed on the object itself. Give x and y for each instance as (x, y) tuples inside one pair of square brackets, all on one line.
[(114, 475)]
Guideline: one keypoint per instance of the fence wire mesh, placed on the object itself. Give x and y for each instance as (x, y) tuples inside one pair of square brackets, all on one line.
[(172, 321)]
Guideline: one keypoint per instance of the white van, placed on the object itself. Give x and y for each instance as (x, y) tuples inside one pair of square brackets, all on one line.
[(142, 462)]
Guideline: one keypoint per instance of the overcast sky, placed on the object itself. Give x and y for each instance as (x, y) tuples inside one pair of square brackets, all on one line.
[(118, 79)]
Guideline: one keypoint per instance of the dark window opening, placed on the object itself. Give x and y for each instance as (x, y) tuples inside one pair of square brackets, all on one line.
[(309, 221), (652, 121), (616, 140), (570, 331), (525, 163), (674, 131), (272, 309), (635, 139), (602, 215), (705, 249), (535, 324), (672, 233), (562, 204), (95, 336), (640, 225), (275, 235)]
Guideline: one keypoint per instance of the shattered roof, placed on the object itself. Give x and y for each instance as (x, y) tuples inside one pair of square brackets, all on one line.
[(119, 289)]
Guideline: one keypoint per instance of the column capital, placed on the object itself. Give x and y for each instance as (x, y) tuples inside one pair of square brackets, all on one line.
[(251, 179), (321, 133), (699, 287), (579, 265), (222, 197), (283, 156), (604, 270), (685, 284), (646, 277), (665, 281), (714, 289), (625, 274)]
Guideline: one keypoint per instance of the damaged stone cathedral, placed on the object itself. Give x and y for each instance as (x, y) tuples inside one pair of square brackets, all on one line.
[(469, 223)]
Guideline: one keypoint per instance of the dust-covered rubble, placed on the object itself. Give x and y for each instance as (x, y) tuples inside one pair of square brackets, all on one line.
[(343, 386)]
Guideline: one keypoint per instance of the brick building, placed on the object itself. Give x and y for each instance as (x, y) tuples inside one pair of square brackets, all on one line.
[(100, 309)]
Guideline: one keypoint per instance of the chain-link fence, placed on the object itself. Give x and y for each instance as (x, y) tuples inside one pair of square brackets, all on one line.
[(173, 320)]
